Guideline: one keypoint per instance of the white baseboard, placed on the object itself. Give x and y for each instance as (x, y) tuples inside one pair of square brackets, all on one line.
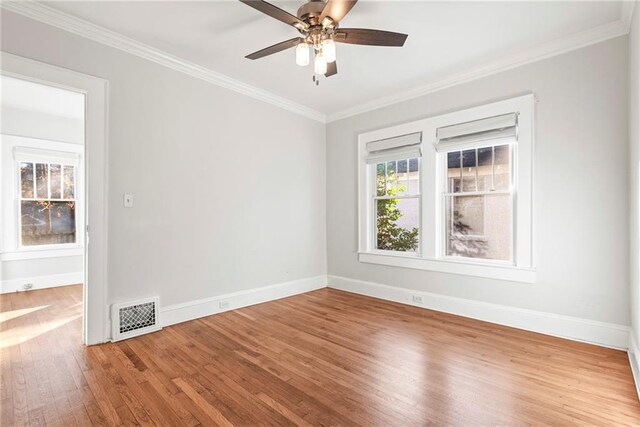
[(41, 282), (178, 313), (573, 328), (634, 360)]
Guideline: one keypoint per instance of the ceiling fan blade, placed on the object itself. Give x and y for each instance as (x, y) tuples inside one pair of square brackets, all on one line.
[(369, 37), (278, 47), (332, 69), (337, 9), (277, 13)]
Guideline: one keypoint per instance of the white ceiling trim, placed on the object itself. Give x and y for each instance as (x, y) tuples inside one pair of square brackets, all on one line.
[(626, 14), (72, 24), (547, 50)]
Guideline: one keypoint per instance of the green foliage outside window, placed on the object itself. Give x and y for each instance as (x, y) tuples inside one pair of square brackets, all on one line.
[(390, 236)]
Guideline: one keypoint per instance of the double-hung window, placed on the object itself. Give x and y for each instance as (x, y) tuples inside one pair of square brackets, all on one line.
[(395, 193), (47, 197), (477, 190), (451, 193)]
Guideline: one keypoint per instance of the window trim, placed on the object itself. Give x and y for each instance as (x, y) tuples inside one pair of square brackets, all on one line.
[(51, 251), (432, 245)]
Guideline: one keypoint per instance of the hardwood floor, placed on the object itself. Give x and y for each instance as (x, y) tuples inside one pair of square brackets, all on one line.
[(322, 358)]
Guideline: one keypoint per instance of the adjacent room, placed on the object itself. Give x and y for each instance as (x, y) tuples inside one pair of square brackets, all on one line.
[(321, 212)]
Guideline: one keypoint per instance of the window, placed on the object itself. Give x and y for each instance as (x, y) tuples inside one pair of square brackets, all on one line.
[(397, 205), (393, 193), (451, 193), (47, 203), (478, 199)]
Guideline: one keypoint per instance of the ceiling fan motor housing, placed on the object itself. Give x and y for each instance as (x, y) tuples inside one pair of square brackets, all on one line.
[(311, 11)]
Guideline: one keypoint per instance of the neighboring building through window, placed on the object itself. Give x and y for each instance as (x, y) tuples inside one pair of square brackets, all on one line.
[(478, 199), (47, 203)]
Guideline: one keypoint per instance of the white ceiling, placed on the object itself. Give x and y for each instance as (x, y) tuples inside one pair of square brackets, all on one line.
[(444, 38), (30, 96)]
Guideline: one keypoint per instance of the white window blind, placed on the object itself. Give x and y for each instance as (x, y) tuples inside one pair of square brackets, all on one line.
[(470, 134), (27, 154), (396, 148)]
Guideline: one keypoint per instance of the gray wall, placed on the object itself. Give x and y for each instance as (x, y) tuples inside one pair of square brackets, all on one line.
[(229, 191), (20, 122), (580, 195), (29, 268), (634, 158)]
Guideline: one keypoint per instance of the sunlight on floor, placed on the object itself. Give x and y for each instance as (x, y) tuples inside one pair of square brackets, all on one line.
[(8, 315), (22, 334)]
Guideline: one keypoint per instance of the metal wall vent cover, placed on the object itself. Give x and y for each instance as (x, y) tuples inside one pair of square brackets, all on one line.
[(134, 318)]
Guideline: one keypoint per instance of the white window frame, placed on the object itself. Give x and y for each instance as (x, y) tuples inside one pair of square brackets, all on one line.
[(444, 193), (432, 173), (49, 162)]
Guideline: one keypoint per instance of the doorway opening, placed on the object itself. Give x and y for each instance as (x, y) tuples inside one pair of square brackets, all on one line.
[(53, 180), (42, 261)]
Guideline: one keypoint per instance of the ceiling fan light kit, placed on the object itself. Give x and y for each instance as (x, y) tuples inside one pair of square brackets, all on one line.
[(317, 22)]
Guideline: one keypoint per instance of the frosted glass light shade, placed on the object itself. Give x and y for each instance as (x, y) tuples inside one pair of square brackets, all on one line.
[(302, 54), (320, 64), (329, 50)]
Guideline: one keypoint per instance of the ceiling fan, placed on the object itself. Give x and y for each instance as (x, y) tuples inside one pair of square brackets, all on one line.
[(318, 23)]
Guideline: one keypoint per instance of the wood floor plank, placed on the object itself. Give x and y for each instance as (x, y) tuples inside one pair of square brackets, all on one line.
[(321, 358), (212, 412)]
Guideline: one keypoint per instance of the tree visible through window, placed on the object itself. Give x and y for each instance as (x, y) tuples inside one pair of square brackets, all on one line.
[(397, 203), (47, 203)]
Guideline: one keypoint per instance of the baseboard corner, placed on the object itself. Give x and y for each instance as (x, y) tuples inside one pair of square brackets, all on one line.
[(634, 355)]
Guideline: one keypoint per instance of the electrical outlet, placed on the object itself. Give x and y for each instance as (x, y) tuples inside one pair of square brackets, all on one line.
[(417, 299), (27, 286), (223, 305), (127, 200)]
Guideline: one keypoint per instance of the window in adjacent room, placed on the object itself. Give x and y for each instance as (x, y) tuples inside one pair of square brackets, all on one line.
[(47, 203)]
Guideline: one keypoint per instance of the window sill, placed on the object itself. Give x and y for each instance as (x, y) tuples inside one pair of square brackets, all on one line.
[(22, 254), (465, 268)]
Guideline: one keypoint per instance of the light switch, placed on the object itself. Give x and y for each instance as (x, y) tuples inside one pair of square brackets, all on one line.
[(128, 200)]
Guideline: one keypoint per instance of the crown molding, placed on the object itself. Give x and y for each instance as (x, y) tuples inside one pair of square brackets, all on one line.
[(546, 50), (72, 24), (626, 12)]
